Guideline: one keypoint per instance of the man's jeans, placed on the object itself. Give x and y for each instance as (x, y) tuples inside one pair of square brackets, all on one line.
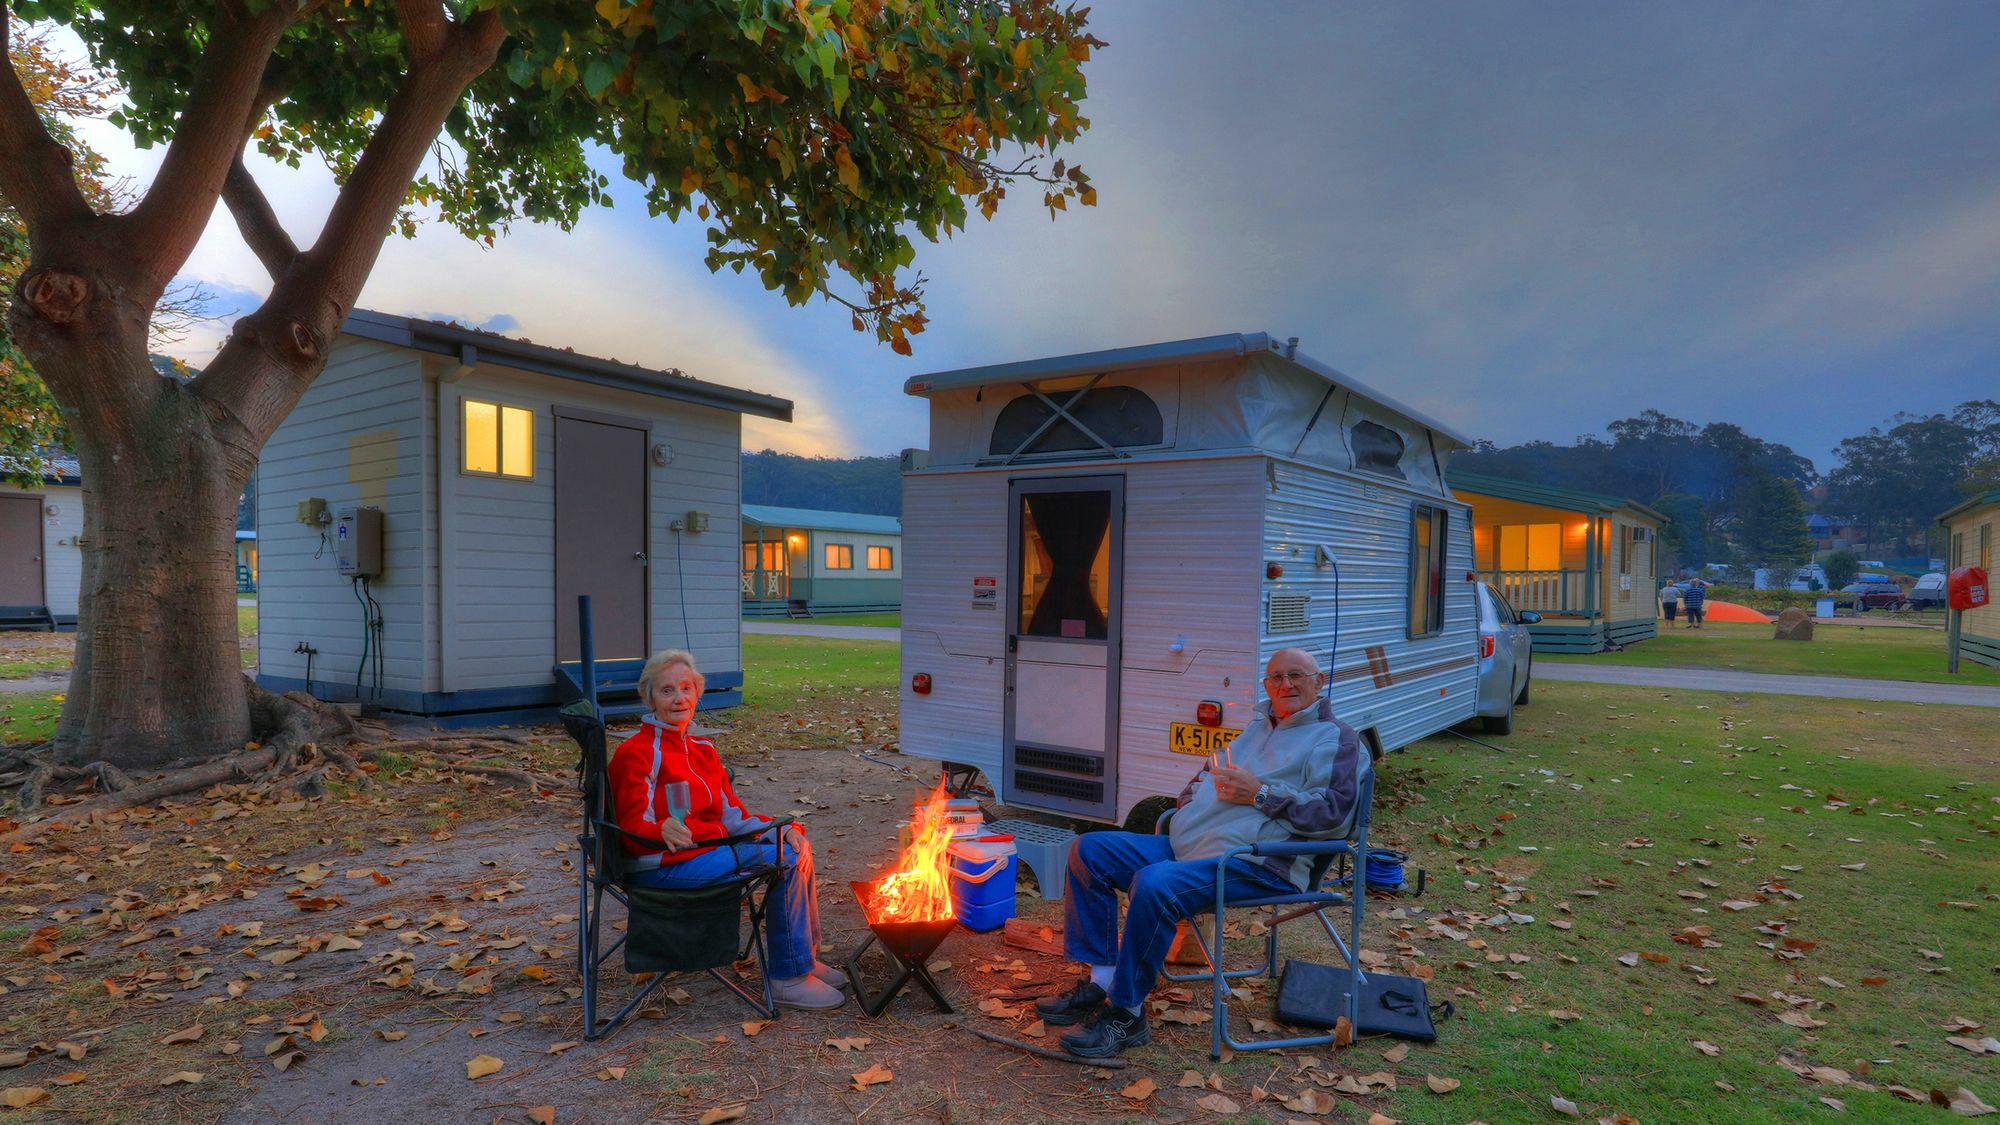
[(794, 918), (1161, 892)]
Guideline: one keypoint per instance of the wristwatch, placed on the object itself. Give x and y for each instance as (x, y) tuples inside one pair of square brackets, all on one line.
[(1263, 791)]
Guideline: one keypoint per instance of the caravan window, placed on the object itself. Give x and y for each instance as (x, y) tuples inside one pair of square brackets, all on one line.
[(1065, 565), (1122, 416), (1377, 448), (1427, 542)]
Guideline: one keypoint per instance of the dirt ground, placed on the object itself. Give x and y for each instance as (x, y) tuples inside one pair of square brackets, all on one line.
[(346, 959)]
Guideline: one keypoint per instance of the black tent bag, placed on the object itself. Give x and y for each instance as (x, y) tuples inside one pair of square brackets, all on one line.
[(1311, 995), (683, 929)]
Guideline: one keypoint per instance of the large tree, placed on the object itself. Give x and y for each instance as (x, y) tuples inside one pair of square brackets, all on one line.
[(815, 139), (1897, 480)]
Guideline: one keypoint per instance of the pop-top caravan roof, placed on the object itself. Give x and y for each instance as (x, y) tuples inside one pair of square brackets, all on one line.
[(1242, 392)]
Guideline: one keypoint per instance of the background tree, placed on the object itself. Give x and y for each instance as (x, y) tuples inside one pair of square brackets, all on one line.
[(813, 139), (872, 485), (1773, 529), (1895, 481), (1684, 537), (1841, 566)]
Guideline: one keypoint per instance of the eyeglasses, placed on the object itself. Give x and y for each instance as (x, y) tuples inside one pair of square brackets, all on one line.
[(1291, 678)]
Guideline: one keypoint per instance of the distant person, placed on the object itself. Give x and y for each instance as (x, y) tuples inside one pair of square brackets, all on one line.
[(1694, 598), (1670, 602)]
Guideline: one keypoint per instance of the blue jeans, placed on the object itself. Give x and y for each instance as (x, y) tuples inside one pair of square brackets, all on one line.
[(794, 917), (1161, 891)]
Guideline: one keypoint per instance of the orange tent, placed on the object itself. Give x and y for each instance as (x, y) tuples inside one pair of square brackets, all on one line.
[(1730, 611)]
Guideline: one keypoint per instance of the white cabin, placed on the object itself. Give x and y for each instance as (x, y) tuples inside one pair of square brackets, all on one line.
[(41, 554), (509, 477), (1096, 545)]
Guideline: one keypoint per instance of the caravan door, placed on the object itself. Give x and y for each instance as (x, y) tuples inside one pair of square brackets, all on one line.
[(1060, 738)]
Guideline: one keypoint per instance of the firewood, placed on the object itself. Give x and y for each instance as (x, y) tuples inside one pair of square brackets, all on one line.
[(1027, 935)]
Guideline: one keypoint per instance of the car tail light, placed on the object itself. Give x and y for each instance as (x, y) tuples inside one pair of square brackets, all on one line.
[(1208, 713), (921, 683), (1485, 646)]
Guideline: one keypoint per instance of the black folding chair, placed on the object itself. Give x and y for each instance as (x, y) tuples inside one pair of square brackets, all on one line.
[(666, 930), (1309, 903)]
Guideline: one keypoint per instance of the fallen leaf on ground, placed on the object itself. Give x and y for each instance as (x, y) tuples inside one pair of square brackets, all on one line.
[(184, 1035), (1986, 1046), (1564, 1105), (1316, 1102), (1191, 1078), (1564, 1015), (392, 1036), (611, 1074), (849, 1043), (1343, 1033), (872, 1076), (1216, 1103), (289, 1059), (1967, 1104), (69, 1079), (1707, 1048), (181, 1078), (1834, 1103), (479, 1066), (1629, 960), (1396, 1053), (723, 1113), (544, 1114), (752, 1027), (1141, 1090), (559, 1048), (1799, 1019), (21, 1097), (1960, 1023), (1440, 1085)]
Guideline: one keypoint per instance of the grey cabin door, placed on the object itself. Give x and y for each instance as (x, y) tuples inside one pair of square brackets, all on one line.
[(1060, 740), (601, 534), (20, 552)]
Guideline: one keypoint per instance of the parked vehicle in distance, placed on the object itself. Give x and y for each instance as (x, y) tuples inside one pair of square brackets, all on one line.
[(1928, 593), (1506, 659), (1880, 597)]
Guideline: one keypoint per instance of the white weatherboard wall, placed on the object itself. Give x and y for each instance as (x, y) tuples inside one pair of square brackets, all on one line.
[(498, 535), (62, 559), (357, 437), (860, 541)]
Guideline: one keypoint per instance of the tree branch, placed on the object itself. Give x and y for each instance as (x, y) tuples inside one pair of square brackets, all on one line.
[(35, 168), (424, 27), (208, 139), (259, 224)]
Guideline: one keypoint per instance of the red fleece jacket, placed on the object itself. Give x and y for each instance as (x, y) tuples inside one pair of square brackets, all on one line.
[(640, 769)]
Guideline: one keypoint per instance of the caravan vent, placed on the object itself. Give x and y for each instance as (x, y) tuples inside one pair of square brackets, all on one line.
[(1088, 792), (1287, 613), (1036, 758)]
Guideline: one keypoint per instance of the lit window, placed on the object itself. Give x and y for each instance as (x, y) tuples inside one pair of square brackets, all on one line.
[(499, 440), (881, 558), (1528, 546), (839, 556)]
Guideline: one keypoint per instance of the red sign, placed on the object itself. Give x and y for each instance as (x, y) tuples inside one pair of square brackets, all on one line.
[(1967, 587)]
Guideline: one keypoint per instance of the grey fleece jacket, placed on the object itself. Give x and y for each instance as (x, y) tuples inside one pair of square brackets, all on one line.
[(1313, 765)]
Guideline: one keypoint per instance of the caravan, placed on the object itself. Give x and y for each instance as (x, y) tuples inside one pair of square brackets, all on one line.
[(1101, 551)]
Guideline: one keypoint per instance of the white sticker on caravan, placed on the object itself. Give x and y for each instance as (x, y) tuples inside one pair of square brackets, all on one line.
[(986, 593)]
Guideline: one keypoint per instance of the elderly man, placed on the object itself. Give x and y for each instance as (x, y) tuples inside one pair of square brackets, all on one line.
[(1295, 773)]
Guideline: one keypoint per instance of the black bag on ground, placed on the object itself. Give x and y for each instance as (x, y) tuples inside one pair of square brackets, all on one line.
[(1312, 995), (684, 929)]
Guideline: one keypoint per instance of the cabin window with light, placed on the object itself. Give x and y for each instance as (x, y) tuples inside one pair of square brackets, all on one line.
[(1527, 546), (497, 440), (881, 558), (839, 556)]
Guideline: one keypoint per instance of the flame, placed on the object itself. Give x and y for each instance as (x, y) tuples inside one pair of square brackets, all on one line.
[(919, 890)]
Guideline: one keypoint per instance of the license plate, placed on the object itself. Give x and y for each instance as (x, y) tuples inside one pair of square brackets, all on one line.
[(1189, 738)]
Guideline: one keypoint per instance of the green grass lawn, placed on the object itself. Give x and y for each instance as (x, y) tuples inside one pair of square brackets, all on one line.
[(874, 620), (780, 672), (1883, 653), (29, 716), (1668, 805)]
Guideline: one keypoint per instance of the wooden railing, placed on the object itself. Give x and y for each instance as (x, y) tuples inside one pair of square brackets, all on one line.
[(763, 585), (1544, 591)]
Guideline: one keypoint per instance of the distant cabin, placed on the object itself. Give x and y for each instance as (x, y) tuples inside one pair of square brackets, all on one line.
[(1587, 562), (509, 477), (804, 560), (41, 562), (1970, 529)]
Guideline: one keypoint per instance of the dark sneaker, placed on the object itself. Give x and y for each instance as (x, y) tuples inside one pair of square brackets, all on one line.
[(1074, 1006), (1108, 1035)]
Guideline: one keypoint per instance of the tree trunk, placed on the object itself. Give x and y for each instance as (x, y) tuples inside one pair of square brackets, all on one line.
[(157, 677)]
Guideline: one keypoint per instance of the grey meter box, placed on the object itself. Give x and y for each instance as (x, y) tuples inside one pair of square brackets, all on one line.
[(357, 542)]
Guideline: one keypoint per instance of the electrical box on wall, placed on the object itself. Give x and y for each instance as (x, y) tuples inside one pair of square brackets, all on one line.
[(697, 521), (357, 542)]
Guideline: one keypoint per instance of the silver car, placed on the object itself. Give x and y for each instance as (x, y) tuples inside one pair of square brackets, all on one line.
[(1506, 659)]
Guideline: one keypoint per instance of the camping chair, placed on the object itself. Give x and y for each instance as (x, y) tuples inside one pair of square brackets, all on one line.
[(668, 930), (1313, 902)]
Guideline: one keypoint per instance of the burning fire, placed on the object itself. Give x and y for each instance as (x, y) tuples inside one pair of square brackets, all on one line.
[(919, 890)]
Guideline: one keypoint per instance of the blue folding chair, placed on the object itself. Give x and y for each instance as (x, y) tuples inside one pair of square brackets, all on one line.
[(1313, 902)]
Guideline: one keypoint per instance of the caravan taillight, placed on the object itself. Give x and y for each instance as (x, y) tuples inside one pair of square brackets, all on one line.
[(1485, 646), (1274, 570), (921, 683), (1208, 713)]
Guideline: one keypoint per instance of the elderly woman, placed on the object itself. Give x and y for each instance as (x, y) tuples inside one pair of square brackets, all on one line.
[(669, 785)]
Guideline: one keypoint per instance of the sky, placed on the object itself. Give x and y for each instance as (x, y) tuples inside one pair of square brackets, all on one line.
[(1526, 219)]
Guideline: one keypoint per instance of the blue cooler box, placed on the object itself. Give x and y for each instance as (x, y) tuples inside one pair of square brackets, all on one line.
[(982, 881)]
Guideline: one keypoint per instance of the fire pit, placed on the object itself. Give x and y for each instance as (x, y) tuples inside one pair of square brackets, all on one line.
[(909, 910)]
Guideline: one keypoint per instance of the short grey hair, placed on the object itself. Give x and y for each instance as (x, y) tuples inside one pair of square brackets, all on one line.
[(650, 674)]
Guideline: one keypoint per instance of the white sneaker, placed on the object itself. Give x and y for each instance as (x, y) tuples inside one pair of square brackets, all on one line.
[(824, 972), (806, 992)]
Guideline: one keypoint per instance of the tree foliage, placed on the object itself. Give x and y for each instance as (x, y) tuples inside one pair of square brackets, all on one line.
[(1773, 530), (1841, 566), (1684, 537), (871, 485), (1897, 480)]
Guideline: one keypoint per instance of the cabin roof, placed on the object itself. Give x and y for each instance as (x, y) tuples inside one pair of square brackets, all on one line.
[(1196, 350), (1568, 499), (813, 519), (1970, 505), (470, 345)]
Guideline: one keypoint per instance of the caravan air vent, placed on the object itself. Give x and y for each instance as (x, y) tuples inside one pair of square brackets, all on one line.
[(1288, 613)]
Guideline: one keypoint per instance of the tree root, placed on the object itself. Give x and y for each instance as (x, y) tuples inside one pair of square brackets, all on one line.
[(235, 767)]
